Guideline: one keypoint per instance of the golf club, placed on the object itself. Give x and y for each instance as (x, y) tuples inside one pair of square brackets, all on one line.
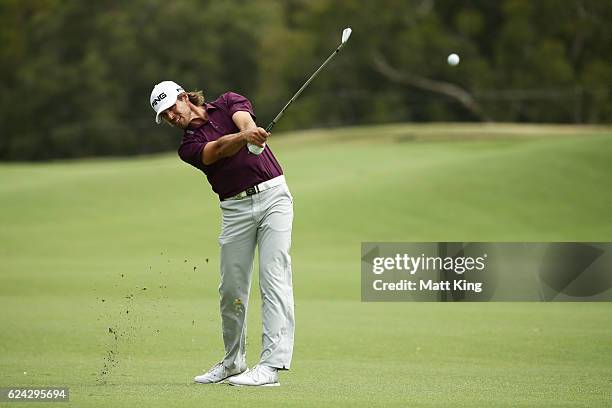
[(346, 33)]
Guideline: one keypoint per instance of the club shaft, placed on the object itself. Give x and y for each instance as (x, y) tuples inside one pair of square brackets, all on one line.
[(280, 114)]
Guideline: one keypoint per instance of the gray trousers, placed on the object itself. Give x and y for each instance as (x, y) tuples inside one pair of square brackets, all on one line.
[(264, 220)]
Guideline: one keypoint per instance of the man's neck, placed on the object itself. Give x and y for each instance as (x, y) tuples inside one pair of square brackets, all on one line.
[(198, 115)]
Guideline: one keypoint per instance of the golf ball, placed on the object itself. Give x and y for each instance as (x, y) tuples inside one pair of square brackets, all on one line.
[(453, 59)]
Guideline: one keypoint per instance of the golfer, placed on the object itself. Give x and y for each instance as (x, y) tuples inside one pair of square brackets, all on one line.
[(257, 210)]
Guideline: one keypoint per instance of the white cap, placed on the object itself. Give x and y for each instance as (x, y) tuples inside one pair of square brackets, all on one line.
[(163, 96)]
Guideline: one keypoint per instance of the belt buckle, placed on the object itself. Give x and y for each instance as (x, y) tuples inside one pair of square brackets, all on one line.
[(250, 191)]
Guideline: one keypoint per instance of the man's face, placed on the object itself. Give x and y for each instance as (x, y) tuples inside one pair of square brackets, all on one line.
[(178, 114)]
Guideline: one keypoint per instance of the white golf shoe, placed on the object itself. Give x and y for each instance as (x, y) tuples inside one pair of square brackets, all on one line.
[(260, 375), (218, 373)]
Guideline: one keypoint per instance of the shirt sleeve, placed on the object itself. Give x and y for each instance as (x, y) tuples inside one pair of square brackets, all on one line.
[(190, 151), (236, 102)]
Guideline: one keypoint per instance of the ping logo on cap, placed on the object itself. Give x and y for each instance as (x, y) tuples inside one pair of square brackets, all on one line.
[(158, 99)]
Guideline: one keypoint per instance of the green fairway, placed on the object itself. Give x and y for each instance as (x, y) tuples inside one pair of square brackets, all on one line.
[(109, 272)]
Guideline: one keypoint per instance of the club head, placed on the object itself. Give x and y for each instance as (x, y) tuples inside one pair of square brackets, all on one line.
[(346, 34)]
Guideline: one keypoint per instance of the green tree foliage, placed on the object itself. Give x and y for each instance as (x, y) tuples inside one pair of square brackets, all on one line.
[(76, 76)]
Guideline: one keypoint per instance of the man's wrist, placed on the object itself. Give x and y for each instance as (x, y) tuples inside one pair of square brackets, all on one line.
[(243, 137)]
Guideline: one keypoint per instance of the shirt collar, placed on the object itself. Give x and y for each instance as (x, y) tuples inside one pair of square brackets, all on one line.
[(209, 107)]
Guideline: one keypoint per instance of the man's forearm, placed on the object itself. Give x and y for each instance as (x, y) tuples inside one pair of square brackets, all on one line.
[(224, 146), (229, 145)]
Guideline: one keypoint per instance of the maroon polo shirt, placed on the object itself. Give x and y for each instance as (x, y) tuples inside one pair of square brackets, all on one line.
[(230, 175)]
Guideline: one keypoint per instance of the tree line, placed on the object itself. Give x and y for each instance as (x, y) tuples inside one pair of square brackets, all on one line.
[(77, 75)]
